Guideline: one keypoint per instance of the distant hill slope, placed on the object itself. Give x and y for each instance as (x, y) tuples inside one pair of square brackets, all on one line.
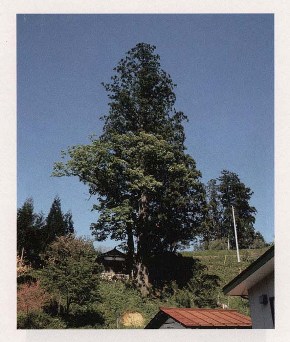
[(224, 264)]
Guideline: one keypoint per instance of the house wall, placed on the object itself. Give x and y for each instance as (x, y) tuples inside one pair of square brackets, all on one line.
[(261, 313), (171, 324)]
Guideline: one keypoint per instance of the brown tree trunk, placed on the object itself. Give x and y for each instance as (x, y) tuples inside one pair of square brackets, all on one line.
[(142, 278), (68, 302), (59, 305), (141, 269), (130, 254)]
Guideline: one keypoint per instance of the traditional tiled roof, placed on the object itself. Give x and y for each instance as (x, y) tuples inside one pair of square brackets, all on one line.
[(206, 318), (114, 253)]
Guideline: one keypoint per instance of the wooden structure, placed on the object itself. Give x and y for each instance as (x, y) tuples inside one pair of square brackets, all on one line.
[(256, 283), (193, 318), (115, 265)]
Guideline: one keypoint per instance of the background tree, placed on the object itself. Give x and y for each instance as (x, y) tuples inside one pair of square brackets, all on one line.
[(259, 241), (29, 231), (212, 228), (35, 232), (71, 272), (148, 189), (223, 193), (234, 193), (57, 223)]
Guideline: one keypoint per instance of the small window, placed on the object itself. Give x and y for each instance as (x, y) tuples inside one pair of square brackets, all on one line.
[(272, 305)]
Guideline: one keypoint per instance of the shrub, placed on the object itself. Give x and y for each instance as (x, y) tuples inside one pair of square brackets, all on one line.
[(38, 320), (218, 245), (258, 243), (183, 298), (84, 316), (31, 297), (71, 273)]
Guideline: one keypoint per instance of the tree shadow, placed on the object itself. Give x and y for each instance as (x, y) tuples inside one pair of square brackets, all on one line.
[(85, 319), (184, 271), (79, 317)]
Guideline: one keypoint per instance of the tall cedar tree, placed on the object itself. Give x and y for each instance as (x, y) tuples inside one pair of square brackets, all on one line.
[(149, 190)]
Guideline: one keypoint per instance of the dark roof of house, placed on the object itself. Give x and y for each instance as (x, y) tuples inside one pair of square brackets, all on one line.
[(201, 318), (254, 273), (113, 253)]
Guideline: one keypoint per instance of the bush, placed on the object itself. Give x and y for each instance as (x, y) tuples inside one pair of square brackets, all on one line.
[(218, 245), (31, 297), (258, 243), (84, 317), (183, 298), (71, 272), (38, 320), (117, 298)]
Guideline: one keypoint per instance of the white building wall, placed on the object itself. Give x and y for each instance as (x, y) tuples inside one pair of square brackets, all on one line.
[(261, 313)]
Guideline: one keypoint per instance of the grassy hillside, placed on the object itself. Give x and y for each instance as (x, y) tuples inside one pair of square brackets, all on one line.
[(121, 305), (119, 299), (223, 263)]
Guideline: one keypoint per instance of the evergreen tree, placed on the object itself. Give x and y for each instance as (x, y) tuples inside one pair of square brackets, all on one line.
[(142, 98), (223, 193), (232, 192), (259, 241), (57, 223), (29, 232), (148, 188), (35, 233), (212, 225), (69, 225)]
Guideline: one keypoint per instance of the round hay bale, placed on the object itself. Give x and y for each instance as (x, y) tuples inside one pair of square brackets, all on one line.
[(132, 319)]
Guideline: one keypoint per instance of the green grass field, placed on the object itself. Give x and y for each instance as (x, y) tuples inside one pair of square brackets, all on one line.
[(224, 264)]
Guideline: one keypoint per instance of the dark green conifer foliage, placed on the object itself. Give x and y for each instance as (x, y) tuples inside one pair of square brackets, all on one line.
[(212, 225), (234, 193), (149, 192), (57, 223), (29, 232), (35, 233), (223, 193), (142, 98)]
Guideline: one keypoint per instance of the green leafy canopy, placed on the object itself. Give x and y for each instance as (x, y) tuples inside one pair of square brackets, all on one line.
[(145, 182), (71, 272)]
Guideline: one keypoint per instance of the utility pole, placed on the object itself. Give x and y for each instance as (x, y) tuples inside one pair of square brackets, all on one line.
[(236, 236)]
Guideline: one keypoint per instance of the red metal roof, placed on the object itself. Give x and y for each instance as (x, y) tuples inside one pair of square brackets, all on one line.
[(208, 318)]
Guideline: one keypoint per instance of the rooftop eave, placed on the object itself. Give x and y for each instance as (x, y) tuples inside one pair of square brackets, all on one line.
[(252, 275)]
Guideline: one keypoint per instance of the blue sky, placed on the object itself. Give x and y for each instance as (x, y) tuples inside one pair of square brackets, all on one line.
[(223, 66)]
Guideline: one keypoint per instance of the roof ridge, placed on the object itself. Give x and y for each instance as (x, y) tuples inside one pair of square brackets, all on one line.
[(202, 309)]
